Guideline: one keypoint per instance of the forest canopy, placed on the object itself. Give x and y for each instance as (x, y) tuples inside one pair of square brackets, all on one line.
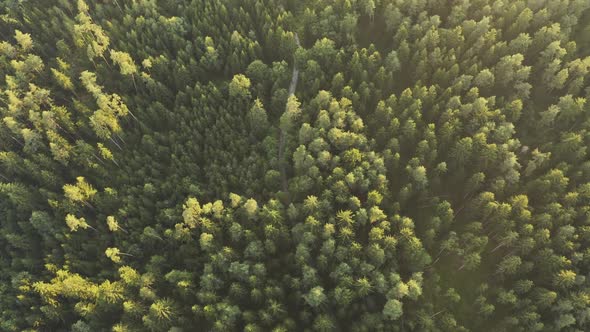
[(295, 165)]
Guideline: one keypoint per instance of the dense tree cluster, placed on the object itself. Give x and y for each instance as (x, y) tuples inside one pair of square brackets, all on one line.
[(429, 173)]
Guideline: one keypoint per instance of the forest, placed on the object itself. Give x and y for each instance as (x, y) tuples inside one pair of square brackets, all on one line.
[(295, 165)]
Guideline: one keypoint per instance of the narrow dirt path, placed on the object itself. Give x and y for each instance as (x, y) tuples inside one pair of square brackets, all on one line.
[(283, 138)]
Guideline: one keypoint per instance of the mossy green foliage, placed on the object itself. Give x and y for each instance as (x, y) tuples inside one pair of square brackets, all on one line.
[(433, 174)]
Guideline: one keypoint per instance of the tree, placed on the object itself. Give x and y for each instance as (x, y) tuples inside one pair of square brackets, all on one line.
[(62, 79), (126, 64), (113, 254), (509, 265), (258, 118), (74, 223), (565, 278), (24, 40), (315, 297), (110, 107), (124, 61), (239, 87), (112, 224), (81, 192), (291, 114), (393, 309), (251, 207), (160, 315), (88, 34), (192, 212)]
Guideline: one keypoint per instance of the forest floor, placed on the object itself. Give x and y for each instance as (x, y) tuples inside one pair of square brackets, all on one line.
[(283, 138)]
